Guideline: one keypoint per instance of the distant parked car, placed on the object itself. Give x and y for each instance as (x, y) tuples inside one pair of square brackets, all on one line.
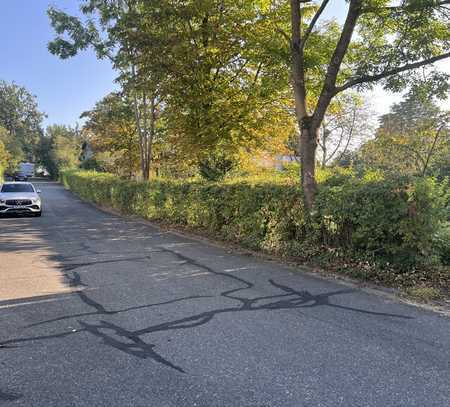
[(27, 169), (20, 176), (20, 197)]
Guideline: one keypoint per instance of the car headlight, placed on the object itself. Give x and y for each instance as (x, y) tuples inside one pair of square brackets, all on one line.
[(36, 200), (2, 201)]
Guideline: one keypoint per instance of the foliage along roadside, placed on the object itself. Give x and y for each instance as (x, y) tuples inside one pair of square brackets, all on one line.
[(385, 231)]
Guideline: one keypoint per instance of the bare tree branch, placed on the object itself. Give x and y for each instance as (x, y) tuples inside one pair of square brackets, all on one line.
[(298, 68), (430, 152), (407, 7), (313, 23), (385, 74), (283, 33), (329, 87)]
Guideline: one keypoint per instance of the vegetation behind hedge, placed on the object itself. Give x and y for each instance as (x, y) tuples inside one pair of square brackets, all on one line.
[(388, 230)]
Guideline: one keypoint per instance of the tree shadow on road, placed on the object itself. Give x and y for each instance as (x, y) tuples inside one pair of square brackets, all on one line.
[(134, 342)]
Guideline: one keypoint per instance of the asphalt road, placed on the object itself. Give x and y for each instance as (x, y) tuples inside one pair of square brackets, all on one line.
[(97, 310)]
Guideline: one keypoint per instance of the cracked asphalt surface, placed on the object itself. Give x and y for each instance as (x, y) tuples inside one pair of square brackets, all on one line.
[(97, 310)]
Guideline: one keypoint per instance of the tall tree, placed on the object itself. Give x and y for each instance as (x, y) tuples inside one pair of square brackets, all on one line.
[(109, 29), (378, 42), (20, 116), (413, 138), (110, 129)]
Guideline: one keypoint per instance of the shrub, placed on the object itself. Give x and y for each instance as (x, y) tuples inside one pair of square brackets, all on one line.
[(91, 164), (394, 219), (215, 167), (442, 243), (4, 156)]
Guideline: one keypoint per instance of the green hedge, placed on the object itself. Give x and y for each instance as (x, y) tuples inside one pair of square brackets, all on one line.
[(389, 221), (397, 220)]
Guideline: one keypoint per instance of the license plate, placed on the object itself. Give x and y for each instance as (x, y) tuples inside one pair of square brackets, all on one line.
[(18, 207)]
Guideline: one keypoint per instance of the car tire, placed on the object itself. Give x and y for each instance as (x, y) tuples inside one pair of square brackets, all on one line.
[(38, 213)]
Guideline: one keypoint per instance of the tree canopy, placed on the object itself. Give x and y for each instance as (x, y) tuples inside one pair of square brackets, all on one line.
[(413, 138), (59, 148), (21, 120)]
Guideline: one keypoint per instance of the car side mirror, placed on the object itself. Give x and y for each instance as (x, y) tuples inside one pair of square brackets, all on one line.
[(38, 191)]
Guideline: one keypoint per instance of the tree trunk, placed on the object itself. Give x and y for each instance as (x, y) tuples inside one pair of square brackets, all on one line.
[(308, 146), (151, 135), (323, 145), (146, 172), (304, 121)]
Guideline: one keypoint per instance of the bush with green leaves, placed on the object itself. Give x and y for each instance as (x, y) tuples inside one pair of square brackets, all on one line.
[(3, 159), (215, 167), (393, 222)]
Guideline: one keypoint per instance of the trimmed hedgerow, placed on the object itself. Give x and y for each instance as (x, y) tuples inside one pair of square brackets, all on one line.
[(395, 219), (392, 223)]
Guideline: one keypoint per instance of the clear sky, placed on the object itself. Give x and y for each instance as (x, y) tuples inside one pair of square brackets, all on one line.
[(67, 88), (64, 89)]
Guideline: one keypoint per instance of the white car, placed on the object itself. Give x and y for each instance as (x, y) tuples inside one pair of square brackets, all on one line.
[(20, 197)]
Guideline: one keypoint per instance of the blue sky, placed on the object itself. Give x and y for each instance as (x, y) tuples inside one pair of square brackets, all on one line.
[(65, 89)]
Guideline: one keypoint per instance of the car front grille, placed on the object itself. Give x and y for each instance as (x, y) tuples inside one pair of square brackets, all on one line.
[(18, 202)]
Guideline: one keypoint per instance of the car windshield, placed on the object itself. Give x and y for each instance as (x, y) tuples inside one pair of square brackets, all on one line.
[(17, 188)]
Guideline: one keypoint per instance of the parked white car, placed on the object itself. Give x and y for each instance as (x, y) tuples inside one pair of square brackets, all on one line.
[(20, 197)]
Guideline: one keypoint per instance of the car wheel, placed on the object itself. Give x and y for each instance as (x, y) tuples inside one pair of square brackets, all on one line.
[(38, 213)]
